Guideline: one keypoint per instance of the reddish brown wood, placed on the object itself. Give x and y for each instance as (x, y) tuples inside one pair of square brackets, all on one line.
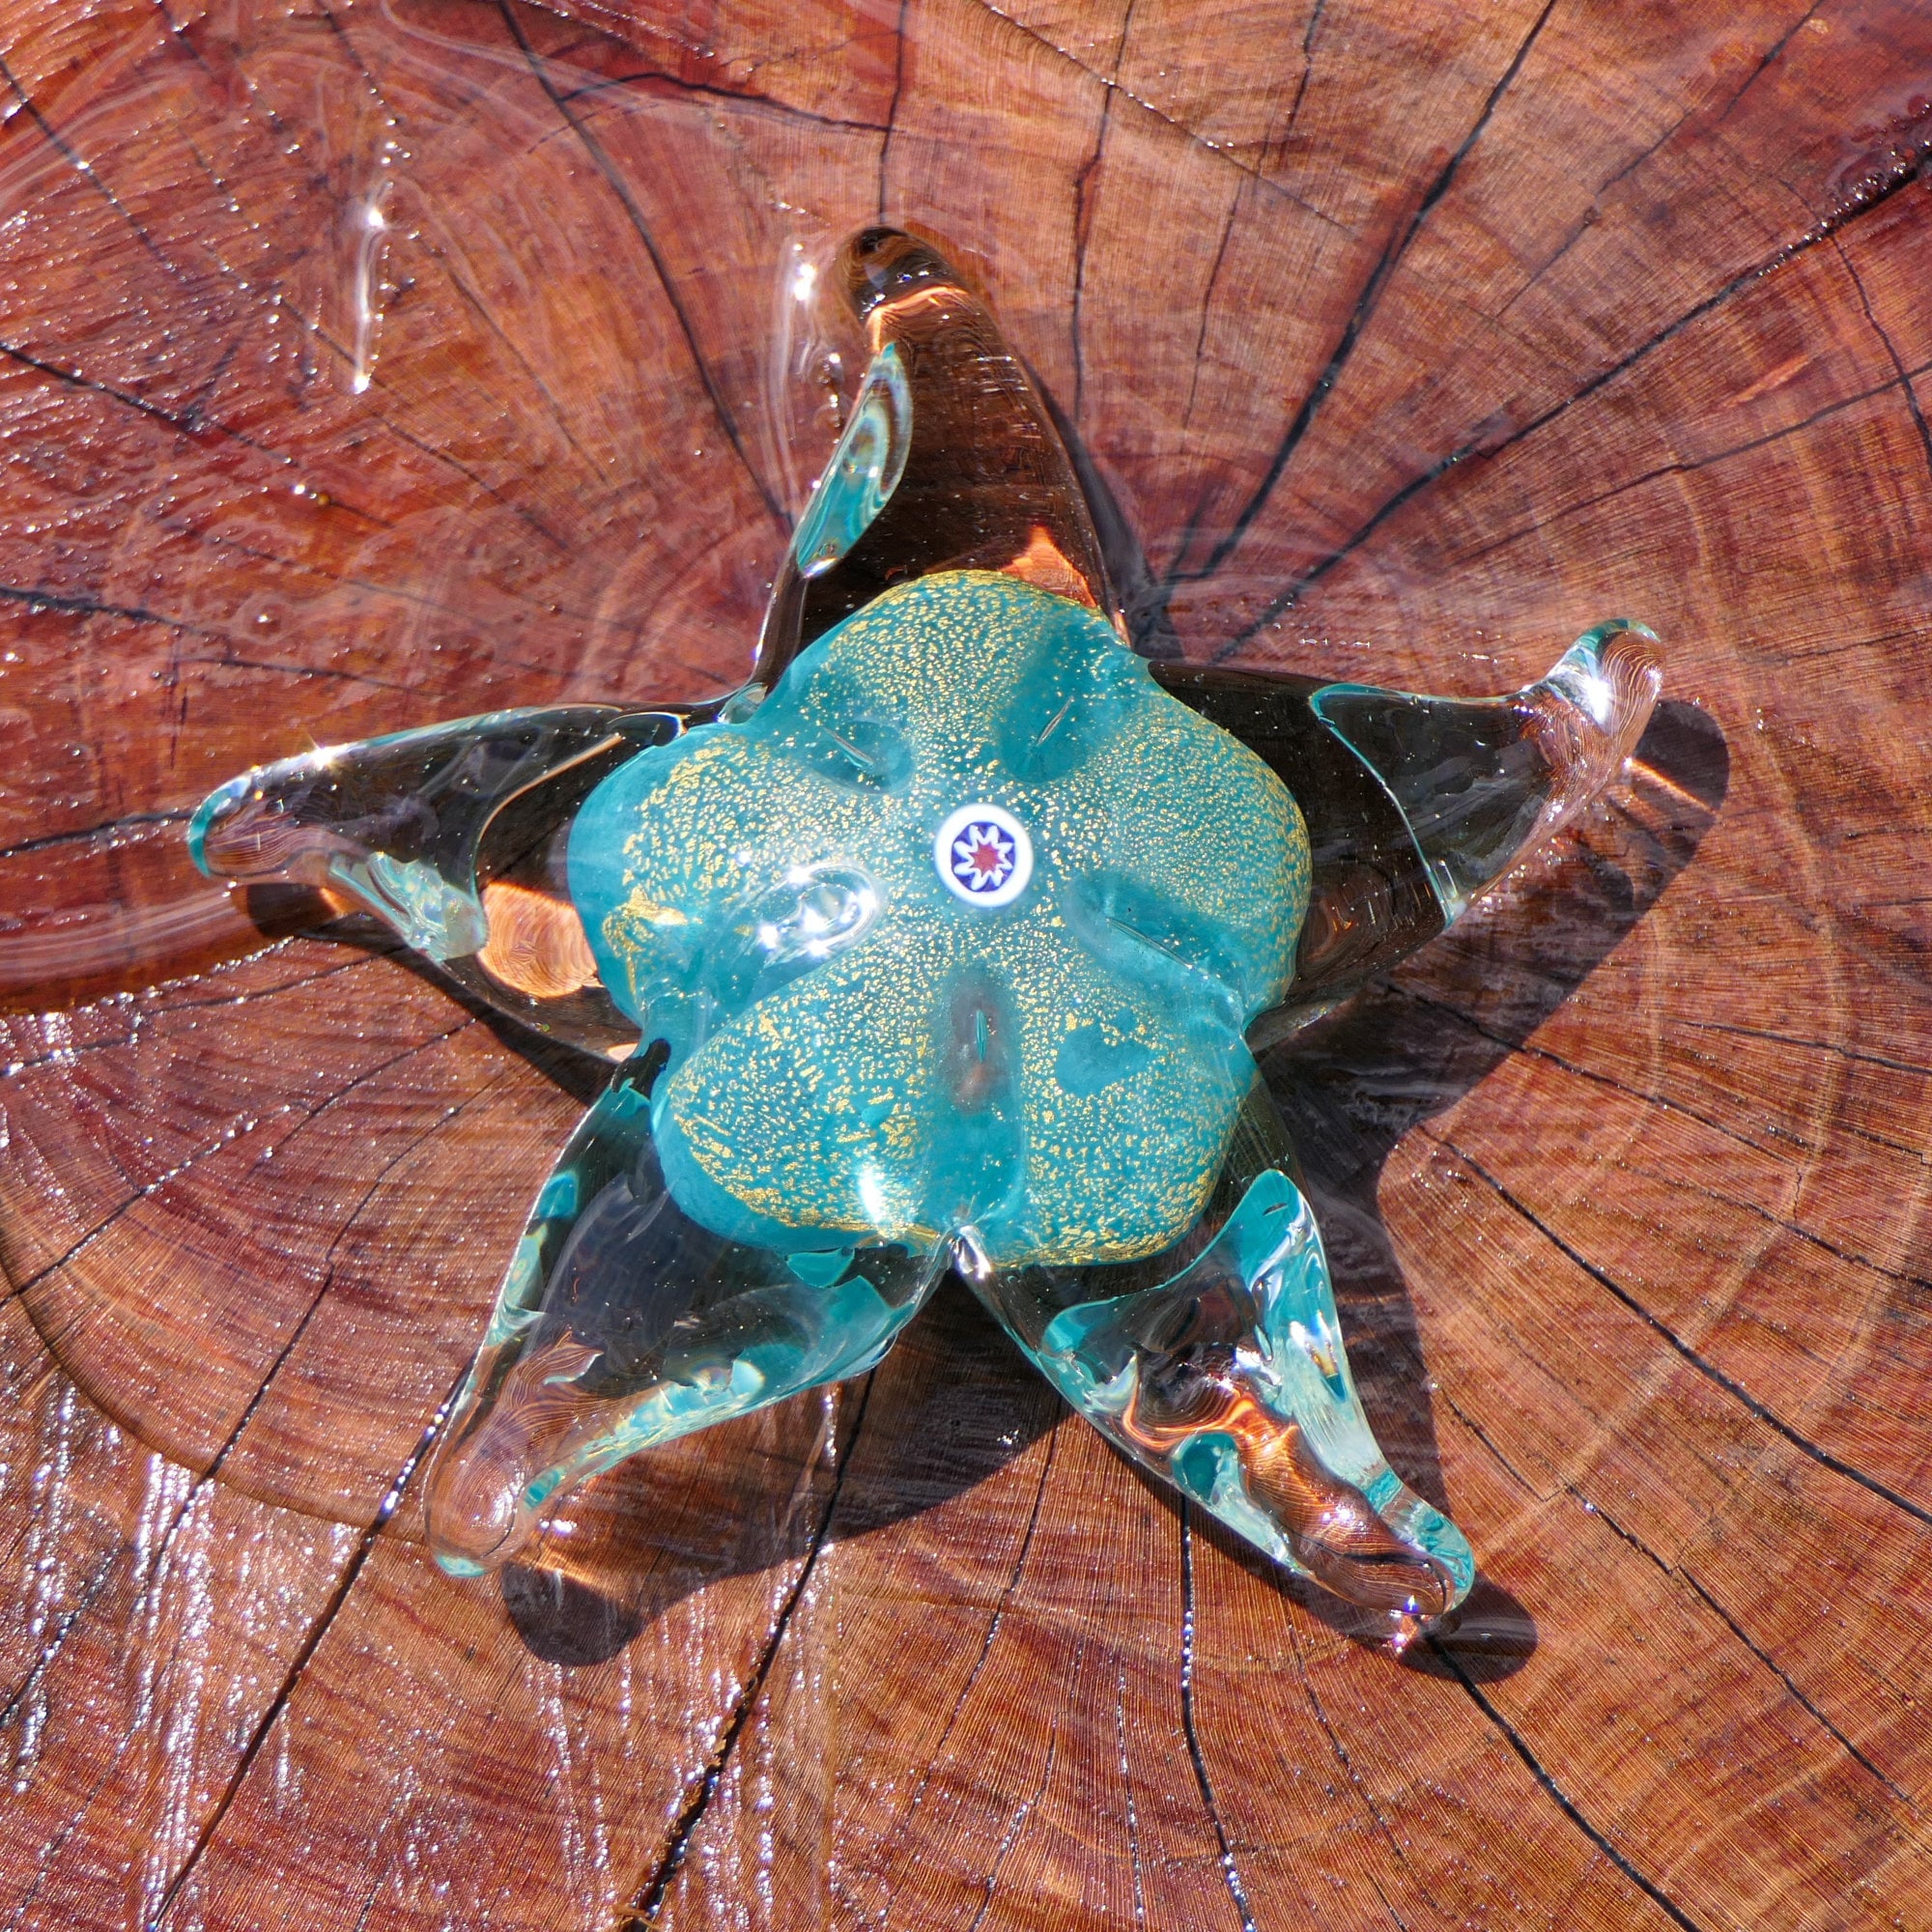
[(1409, 340)]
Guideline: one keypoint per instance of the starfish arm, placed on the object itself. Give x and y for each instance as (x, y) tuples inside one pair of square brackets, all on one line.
[(952, 460), (1416, 806), (447, 834), (623, 1323), (1220, 1368)]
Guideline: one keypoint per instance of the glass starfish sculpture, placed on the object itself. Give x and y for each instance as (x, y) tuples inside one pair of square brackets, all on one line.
[(944, 943)]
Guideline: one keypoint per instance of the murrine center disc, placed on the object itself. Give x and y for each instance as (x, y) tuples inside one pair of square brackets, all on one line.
[(984, 854)]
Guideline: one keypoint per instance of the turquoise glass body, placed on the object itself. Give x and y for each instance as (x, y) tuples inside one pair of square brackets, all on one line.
[(1031, 1029)]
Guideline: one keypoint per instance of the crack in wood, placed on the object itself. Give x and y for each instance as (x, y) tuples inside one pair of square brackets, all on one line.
[(1231, 1871), (1691, 464), (293, 1676), (892, 106), (1308, 38), (230, 1135), (1765, 1658), (649, 1894), (1906, 377), (1083, 218), (106, 830), (1679, 1574), (1360, 315), (158, 1562), (85, 168), (1715, 1375), (1339, 1750), (1200, 357), (1669, 1105), (756, 104), (1901, 176), (1127, 1792), (634, 214), (63, 1056), (1816, 1045), (986, 1649), (1225, 156), (1571, 1809), (1017, 1824)]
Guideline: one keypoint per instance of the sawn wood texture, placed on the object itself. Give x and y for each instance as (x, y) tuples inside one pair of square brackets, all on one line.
[(367, 365)]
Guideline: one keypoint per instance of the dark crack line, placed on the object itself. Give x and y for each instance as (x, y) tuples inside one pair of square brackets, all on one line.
[(473, 301), (1905, 375), (1643, 155), (1482, 1436), (1395, 1919), (1206, 313), (1083, 215), (1340, 1752), (328, 1259), (83, 168), (314, 331), (1772, 54), (1690, 465), (1773, 1133), (127, 820), (1901, 176), (1018, 1823), (528, 518), (1838, 1123), (1629, 1536), (156, 1568), (49, 1652), (229, 660), (189, 284), (1816, 1045), (1661, 1101), (1668, 1105), (613, 179), (1446, 1656), (892, 106), (1230, 1871), (293, 1676), (650, 1895), (985, 1648), (228, 1137), (193, 422), (82, 605), (1307, 73), (625, 24), (152, 1017), (1360, 316), (1200, 142), (1704, 1367), (760, 104), (1127, 1791), (1765, 1658), (1286, 600)]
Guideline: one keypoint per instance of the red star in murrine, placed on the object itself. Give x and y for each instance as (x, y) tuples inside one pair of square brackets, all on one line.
[(985, 858)]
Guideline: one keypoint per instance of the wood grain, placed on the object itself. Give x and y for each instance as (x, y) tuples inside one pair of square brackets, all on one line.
[(1407, 340)]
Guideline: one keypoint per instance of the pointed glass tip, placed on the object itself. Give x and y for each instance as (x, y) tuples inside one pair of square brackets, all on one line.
[(219, 805), (1482, 783)]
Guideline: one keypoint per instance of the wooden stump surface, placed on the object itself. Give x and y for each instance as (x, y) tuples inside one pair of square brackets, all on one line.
[(362, 365)]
